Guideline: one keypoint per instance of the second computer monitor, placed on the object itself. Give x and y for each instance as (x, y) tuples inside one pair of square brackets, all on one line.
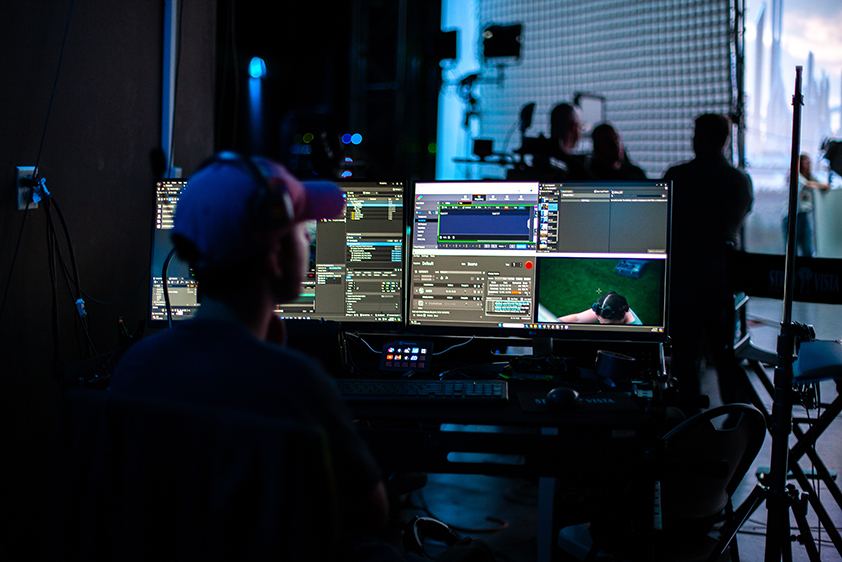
[(356, 267), (356, 271), (583, 260)]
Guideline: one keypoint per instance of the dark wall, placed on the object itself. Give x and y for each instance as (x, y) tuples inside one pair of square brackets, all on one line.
[(334, 68), (306, 49), (103, 124)]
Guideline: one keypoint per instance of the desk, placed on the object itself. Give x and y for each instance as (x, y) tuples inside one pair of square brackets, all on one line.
[(409, 436), (589, 443)]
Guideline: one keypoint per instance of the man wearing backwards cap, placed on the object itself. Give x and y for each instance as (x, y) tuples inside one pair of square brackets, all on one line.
[(239, 223)]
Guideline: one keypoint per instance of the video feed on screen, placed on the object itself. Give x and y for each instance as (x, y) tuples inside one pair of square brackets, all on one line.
[(601, 291)]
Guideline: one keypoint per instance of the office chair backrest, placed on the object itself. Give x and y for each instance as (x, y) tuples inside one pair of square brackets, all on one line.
[(141, 479), (698, 466), (702, 464)]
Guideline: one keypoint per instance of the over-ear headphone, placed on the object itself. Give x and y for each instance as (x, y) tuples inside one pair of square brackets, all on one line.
[(420, 528), (271, 206), (606, 310)]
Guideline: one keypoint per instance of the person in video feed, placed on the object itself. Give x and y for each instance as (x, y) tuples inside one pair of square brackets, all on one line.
[(611, 308)]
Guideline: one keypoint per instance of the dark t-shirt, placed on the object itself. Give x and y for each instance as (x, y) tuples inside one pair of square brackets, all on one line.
[(220, 363), (711, 198)]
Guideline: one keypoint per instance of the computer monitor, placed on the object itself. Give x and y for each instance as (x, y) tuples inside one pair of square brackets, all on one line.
[(182, 287), (520, 258), (356, 270), (357, 262)]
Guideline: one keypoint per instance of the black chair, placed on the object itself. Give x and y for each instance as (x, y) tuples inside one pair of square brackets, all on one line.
[(752, 276), (695, 471), (140, 479)]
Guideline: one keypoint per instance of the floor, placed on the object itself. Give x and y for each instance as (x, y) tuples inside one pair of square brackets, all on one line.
[(503, 512)]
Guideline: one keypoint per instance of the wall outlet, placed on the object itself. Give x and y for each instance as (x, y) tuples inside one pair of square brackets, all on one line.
[(22, 192)]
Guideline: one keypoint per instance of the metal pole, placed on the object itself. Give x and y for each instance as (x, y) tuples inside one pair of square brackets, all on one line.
[(777, 524), (168, 79)]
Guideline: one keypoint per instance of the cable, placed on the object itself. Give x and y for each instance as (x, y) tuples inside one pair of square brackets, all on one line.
[(38, 158), (54, 204), (53, 92), (78, 302), (455, 346), (360, 338), (121, 300), (166, 286), (57, 362), (81, 292), (76, 282), (502, 524), (350, 358)]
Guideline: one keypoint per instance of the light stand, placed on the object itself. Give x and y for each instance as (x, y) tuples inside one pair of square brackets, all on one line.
[(780, 498)]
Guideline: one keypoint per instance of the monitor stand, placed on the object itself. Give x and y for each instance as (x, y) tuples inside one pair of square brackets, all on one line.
[(542, 346)]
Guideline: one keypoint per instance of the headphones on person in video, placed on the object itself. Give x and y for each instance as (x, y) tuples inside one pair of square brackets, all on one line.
[(607, 311), (270, 207)]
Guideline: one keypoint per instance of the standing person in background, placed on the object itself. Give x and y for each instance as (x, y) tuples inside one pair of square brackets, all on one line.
[(807, 184), (711, 198)]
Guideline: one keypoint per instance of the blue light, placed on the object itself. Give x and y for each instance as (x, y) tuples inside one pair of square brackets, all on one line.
[(346, 174), (356, 138), (346, 138), (257, 68)]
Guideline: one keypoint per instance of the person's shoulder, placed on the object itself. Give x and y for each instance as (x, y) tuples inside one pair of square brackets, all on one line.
[(292, 358), (294, 365), (740, 176), (150, 345), (143, 357), (679, 170)]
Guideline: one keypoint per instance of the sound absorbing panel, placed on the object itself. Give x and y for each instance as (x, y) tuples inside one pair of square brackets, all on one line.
[(658, 63)]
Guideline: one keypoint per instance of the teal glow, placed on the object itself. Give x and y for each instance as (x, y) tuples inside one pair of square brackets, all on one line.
[(257, 68)]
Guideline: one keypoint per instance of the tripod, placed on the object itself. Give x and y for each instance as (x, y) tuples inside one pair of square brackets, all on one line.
[(782, 499)]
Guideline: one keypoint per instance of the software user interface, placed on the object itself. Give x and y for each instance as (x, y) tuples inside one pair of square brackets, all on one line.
[(529, 255), (356, 270), (182, 288)]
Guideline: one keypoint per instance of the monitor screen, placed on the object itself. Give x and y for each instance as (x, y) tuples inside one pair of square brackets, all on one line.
[(181, 286), (579, 261), (356, 272)]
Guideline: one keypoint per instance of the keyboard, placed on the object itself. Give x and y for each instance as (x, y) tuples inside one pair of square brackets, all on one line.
[(426, 391)]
